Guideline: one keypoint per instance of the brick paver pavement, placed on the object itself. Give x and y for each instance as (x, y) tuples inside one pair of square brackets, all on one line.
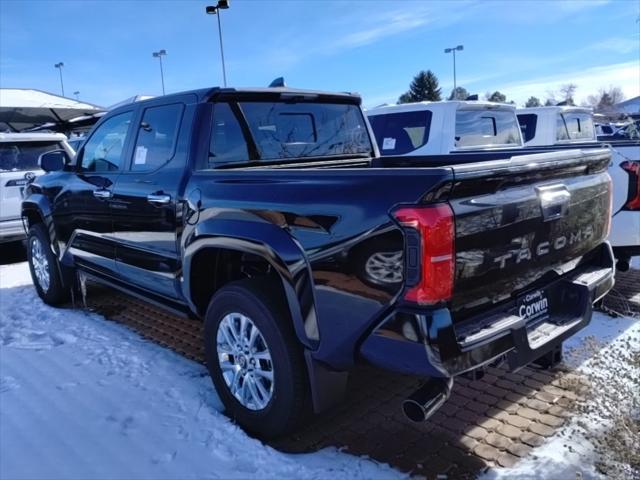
[(493, 421)]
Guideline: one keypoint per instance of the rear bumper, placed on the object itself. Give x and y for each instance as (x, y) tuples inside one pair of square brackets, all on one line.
[(429, 343), (11, 230)]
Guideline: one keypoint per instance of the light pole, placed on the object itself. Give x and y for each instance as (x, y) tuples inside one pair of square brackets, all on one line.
[(213, 10), (59, 67), (159, 54), (450, 50)]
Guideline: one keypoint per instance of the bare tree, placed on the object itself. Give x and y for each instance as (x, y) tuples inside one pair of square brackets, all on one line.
[(567, 91), (605, 99)]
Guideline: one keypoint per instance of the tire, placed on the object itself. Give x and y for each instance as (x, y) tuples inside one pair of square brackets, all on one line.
[(378, 264), (44, 267), (286, 402)]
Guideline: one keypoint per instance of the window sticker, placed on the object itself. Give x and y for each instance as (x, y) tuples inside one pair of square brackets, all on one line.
[(388, 143), (141, 156)]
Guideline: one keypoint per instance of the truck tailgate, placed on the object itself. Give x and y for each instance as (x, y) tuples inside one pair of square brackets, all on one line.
[(525, 221)]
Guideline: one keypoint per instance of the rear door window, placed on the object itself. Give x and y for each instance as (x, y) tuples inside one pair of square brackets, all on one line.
[(486, 128), (402, 132), (22, 156), (157, 137)]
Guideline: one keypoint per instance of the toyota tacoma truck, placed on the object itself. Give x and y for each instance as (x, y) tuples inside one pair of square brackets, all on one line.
[(246, 208)]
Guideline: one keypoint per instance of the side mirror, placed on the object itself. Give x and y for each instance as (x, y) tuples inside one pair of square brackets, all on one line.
[(54, 160)]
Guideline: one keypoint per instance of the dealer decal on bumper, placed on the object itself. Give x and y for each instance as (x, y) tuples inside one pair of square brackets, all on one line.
[(533, 305)]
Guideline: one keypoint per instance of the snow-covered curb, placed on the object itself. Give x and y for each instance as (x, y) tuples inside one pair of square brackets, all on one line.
[(606, 353), (84, 398)]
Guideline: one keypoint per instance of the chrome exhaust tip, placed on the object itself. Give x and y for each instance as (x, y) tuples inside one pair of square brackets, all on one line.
[(425, 401)]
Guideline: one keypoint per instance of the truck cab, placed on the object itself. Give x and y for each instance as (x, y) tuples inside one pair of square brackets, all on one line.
[(442, 128), (560, 125)]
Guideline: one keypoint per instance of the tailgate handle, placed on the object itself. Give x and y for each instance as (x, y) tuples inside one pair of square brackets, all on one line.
[(554, 201)]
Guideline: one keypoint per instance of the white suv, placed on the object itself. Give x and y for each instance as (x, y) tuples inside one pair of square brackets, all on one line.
[(19, 153)]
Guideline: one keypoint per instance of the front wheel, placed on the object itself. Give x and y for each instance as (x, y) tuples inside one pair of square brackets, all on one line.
[(254, 358), (43, 264)]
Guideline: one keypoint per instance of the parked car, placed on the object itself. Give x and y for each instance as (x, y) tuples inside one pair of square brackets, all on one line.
[(571, 127), (240, 207), (19, 154)]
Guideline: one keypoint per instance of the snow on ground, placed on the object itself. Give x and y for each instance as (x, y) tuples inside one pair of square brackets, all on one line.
[(601, 440), (82, 398)]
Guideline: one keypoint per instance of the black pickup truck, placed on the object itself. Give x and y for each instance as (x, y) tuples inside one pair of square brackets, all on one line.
[(254, 209)]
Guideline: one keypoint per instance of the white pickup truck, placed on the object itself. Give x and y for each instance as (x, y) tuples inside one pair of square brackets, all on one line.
[(19, 153), (571, 127), (455, 132)]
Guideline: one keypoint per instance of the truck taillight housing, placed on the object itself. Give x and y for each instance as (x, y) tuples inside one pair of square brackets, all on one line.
[(435, 255), (633, 169)]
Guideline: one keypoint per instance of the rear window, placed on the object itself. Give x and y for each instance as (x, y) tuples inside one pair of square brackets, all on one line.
[(18, 156), (299, 130), (402, 132), (486, 128), (528, 122), (575, 126)]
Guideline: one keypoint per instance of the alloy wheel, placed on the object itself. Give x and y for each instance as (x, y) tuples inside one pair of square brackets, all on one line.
[(245, 361)]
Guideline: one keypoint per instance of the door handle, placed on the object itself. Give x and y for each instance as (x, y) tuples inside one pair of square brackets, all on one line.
[(103, 194), (158, 199)]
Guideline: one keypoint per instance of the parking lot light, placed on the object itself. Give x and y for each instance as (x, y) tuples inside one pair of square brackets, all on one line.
[(59, 66), (159, 54), (215, 10), (453, 50)]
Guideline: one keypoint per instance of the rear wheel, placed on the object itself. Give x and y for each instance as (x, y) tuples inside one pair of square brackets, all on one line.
[(44, 267), (254, 358)]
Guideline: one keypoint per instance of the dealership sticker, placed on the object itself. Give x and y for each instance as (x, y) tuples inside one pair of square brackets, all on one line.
[(141, 156), (388, 143)]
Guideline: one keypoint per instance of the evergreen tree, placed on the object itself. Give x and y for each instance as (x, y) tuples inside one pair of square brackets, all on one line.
[(423, 87), (496, 97), (533, 102), (460, 93)]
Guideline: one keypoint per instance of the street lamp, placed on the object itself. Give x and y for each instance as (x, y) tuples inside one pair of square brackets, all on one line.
[(77, 94), (213, 10), (59, 67), (450, 50), (159, 54)]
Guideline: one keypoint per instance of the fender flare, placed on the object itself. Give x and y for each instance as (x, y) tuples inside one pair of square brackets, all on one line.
[(271, 243), (39, 203)]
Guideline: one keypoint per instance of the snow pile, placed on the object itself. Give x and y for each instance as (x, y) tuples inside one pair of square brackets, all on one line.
[(81, 398), (602, 440)]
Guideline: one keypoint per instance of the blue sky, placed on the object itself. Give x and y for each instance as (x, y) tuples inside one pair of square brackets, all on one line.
[(371, 47)]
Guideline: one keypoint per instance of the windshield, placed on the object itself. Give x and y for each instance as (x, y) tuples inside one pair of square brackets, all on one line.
[(299, 130), (19, 156), (487, 128)]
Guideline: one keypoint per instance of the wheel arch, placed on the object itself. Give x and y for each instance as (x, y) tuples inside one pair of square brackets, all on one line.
[(233, 246)]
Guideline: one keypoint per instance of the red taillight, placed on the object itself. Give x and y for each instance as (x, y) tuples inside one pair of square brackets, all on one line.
[(633, 169), (435, 228)]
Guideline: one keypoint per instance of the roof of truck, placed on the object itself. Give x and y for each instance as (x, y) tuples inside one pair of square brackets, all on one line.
[(207, 94), (449, 104), (31, 137), (555, 109)]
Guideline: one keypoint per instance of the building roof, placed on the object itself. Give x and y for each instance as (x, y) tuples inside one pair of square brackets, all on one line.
[(24, 108)]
